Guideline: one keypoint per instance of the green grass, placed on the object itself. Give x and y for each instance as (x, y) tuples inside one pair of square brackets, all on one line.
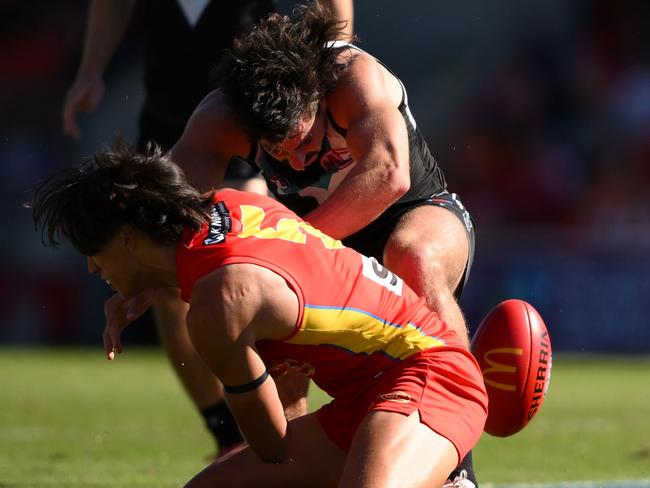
[(70, 418), (594, 425)]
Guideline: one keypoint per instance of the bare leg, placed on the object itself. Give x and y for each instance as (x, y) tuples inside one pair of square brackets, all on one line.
[(429, 249), (391, 450), (313, 461), (201, 384)]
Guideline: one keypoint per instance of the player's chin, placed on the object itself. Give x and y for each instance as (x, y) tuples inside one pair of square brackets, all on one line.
[(127, 292), (131, 288)]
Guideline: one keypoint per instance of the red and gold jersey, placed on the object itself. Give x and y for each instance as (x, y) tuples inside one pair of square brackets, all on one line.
[(356, 318)]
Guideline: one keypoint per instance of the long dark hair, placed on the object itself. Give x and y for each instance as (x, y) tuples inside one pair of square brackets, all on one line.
[(275, 75), (88, 204)]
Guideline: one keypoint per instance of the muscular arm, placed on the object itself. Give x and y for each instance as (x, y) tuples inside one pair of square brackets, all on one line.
[(210, 139), (231, 309), (366, 102)]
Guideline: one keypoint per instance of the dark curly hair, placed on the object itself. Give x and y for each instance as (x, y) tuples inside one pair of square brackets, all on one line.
[(88, 204), (276, 74)]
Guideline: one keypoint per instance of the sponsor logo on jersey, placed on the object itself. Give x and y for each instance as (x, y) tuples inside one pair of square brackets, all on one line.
[(395, 396), (279, 182), (282, 367), (335, 159), (220, 224)]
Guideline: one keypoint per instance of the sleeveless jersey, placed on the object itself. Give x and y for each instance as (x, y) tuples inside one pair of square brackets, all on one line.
[(303, 191), (356, 318)]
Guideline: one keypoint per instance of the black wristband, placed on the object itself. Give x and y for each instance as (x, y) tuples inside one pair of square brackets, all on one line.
[(246, 387)]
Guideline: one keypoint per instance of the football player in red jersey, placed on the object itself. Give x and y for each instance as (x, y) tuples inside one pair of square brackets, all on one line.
[(182, 40), (268, 292)]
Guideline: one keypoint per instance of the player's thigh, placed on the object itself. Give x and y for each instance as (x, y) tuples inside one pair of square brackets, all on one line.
[(313, 461), (428, 243), (392, 450)]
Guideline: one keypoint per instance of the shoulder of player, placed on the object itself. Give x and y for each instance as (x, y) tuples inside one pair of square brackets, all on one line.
[(359, 65), (213, 123), (245, 295), (237, 285), (362, 86), (217, 300), (212, 106), (223, 282)]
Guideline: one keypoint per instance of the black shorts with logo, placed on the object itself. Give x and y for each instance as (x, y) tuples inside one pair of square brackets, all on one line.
[(372, 239)]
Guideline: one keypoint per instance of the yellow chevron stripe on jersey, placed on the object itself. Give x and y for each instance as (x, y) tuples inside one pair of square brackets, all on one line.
[(359, 331)]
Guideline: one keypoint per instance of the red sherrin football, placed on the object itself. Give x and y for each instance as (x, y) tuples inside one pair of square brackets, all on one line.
[(512, 347)]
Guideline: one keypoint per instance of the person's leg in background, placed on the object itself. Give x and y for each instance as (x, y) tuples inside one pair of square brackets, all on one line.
[(199, 382)]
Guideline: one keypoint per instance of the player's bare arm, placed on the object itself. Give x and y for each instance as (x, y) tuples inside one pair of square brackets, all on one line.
[(366, 102), (232, 308), (211, 138), (120, 313)]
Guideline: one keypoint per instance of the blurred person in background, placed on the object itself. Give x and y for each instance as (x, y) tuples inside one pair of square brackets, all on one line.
[(184, 39)]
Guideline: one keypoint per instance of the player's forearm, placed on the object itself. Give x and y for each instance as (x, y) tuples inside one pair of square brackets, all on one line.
[(105, 27), (360, 198), (261, 419), (222, 334)]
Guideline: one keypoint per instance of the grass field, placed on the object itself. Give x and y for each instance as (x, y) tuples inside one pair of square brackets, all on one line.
[(70, 418)]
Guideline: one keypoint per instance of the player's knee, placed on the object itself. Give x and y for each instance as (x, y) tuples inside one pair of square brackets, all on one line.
[(421, 263)]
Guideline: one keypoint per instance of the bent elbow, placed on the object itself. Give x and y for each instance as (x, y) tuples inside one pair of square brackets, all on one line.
[(398, 183), (272, 448)]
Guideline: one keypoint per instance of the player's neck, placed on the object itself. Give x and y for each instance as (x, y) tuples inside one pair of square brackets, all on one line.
[(159, 265)]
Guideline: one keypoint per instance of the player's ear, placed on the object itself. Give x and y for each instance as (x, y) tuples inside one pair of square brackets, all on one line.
[(128, 236)]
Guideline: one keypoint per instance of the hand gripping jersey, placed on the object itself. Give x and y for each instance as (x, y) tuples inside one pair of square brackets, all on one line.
[(356, 319)]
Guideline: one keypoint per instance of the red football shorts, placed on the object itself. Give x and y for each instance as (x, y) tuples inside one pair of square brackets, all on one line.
[(445, 387)]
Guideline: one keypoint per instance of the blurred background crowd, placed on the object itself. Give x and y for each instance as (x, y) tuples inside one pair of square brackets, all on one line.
[(537, 111)]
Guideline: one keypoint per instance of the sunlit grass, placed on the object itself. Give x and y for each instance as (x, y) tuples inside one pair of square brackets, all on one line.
[(71, 418)]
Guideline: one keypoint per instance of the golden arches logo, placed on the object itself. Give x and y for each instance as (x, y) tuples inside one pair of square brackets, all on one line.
[(497, 367)]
